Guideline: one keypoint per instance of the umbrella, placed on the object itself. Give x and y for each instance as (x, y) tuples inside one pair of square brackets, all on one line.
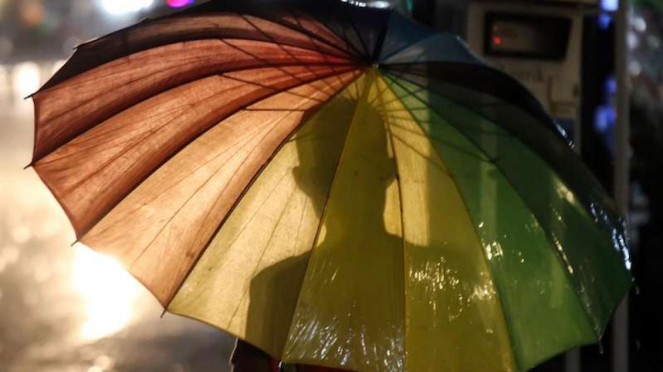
[(334, 184)]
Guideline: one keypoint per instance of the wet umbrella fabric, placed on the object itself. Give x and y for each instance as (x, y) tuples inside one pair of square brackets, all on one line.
[(336, 185)]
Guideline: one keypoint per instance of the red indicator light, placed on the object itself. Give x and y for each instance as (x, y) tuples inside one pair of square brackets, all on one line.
[(497, 40)]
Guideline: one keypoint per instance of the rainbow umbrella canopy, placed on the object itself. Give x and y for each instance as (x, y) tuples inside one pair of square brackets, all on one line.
[(334, 184)]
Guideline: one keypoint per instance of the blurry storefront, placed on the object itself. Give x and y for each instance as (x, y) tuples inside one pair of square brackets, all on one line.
[(594, 65)]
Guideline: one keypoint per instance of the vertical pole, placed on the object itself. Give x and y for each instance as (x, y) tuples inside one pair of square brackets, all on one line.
[(620, 362), (573, 358)]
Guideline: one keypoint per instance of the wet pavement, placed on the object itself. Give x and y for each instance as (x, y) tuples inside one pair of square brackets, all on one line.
[(68, 309)]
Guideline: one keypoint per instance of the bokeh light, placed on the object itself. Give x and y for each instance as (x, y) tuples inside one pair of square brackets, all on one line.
[(27, 79), (108, 290), (32, 12), (125, 6), (380, 4), (179, 3)]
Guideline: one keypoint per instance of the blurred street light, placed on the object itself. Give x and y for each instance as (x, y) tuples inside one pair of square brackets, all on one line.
[(380, 4), (125, 6), (26, 79), (610, 5)]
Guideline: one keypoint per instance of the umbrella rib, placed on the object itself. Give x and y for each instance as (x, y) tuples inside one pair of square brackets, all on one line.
[(344, 54), (460, 104), (364, 95), (408, 71), (219, 72), (304, 31), (476, 234), (377, 49), (403, 48), (44, 162), (283, 91), (267, 246), (193, 194), (181, 62), (274, 126), (54, 147), (361, 39), (563, 261), (76, 107), (598, 193), (349, 47), (512, 185), (250, 184), (312, 36), (299, 227), (222, 75), (221, 39), (536, 109), (267, 64), (139, 141), (610, 209), (351, 58), (204, 164), (415, 60), (399, 182), (357, 53), (225, 151), (281, 47), (345, 34), (439, 167), (181, 180), (447, 143), (324, 55), (82, 233)]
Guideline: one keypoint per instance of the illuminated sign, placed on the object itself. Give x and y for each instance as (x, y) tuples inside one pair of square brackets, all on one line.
[(524, 36)]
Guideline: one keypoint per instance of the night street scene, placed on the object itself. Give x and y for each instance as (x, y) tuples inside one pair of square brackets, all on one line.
[(331, 185)]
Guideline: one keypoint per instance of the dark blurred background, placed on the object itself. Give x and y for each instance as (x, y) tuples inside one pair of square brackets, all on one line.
[(71, 310)]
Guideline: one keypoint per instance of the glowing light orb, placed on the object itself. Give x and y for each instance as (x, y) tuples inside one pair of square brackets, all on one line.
[(380, 4), (125, 6), (109, 293), (27, 78), (179, 3)]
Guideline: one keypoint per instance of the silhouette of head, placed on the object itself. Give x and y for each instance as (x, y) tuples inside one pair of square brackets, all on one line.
[(350, 151)]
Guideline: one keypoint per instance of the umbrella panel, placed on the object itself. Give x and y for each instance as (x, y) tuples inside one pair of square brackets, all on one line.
[(543, 312)]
